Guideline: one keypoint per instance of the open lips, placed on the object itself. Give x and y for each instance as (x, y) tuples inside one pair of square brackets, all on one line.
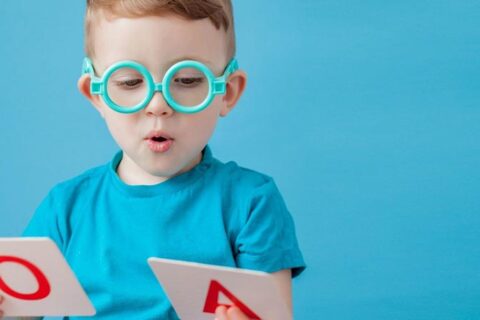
[(159, 141)]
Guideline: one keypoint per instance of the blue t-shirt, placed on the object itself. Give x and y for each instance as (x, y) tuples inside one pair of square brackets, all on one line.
[(217, 213)]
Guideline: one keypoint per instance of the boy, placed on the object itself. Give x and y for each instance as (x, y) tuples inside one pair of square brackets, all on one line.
[(161, 72)]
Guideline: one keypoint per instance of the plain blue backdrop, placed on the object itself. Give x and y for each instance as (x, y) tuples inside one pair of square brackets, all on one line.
[(367, 114)]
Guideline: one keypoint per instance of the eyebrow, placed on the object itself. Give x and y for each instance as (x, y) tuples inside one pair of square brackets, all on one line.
[(169, 63), (206, 62), (217, 71)]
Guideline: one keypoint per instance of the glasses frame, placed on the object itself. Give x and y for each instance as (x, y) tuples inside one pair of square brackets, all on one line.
[(216, 85)]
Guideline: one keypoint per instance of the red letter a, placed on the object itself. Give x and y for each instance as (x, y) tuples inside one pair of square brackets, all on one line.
[(211, 303)]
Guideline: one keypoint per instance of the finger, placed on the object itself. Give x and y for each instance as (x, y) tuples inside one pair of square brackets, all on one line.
[(234, 313), (1, 301), (221, 313)]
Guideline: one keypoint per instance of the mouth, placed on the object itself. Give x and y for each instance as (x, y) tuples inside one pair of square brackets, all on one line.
[(159, 141), (158, 135)]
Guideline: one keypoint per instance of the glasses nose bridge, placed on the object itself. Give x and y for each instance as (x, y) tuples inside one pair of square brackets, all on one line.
[(158, 87), (160, 103)]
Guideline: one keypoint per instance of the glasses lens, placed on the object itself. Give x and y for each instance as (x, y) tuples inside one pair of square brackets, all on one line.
[(127, 87), (189, 87)]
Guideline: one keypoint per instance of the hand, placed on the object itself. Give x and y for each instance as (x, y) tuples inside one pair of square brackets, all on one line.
[(1, 311), (232, 313)]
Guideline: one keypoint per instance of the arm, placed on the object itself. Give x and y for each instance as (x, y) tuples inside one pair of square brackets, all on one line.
[(15, 318), (267, 241), (284, 281)]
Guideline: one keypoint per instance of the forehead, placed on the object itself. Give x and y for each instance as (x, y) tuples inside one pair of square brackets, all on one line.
[(158, 41)]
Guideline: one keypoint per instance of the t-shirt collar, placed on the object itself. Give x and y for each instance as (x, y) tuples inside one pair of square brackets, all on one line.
[(180, 182)]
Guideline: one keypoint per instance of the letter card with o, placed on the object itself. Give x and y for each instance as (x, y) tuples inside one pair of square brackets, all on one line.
[(35, 280)]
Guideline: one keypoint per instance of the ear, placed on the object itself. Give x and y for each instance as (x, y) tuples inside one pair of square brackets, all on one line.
[(235, 86), (83, 85)]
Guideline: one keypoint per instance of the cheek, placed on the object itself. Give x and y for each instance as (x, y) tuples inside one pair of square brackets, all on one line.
[(120, 127), (201, 125), (209, 116)]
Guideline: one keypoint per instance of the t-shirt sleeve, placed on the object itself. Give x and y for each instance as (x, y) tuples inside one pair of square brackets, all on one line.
[(46, 221), (267, 240)]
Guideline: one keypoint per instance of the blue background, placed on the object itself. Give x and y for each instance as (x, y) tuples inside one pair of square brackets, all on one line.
[(365, 112)]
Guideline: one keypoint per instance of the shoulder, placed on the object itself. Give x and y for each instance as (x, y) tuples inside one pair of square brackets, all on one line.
[(80, 183), (54, 215), (238, 177), (244, 186)]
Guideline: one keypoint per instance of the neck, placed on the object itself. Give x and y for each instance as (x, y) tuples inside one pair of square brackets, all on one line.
[(132, 174)]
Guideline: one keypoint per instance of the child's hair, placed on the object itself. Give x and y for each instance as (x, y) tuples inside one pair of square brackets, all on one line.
[(220, 13)]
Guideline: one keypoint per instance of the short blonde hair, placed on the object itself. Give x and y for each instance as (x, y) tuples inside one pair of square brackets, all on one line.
[(220, 13)]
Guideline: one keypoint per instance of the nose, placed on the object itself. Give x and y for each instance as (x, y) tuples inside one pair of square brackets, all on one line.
[(158, 106)]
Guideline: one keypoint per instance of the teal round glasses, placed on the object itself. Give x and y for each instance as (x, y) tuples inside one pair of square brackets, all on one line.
[(188, 86)]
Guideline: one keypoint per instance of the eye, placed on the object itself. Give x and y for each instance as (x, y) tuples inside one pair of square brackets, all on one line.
[(129, 84), (189, 82)]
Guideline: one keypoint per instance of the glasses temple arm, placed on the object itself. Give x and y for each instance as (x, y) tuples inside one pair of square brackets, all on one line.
[(220, 84), (96, 86)]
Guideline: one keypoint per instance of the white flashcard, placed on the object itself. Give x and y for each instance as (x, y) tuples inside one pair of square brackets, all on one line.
[(35, 280), (195, 290)]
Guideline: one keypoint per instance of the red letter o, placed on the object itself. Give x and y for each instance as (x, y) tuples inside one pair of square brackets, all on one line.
[(43, 285)]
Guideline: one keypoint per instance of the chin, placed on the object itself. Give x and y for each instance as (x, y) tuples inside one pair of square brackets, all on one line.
[(164, 172), (168, 168)]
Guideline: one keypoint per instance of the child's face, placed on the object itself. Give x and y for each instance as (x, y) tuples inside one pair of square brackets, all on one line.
[(157, 43)]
